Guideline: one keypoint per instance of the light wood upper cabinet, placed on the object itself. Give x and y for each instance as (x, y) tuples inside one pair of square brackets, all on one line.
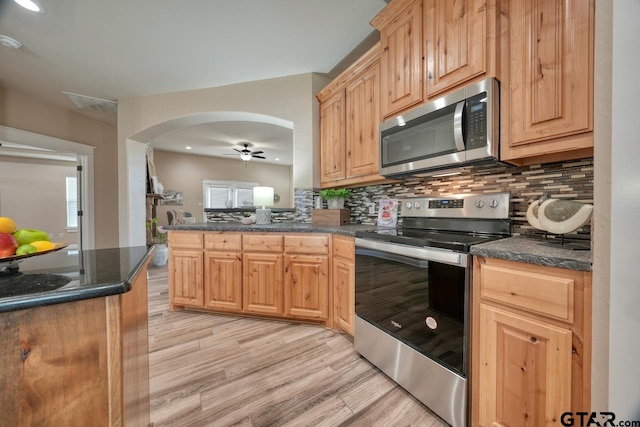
[(349, 121), (401, 57), (332, 138), (531, 335), (363, 120), (547, 80), (456, 36)]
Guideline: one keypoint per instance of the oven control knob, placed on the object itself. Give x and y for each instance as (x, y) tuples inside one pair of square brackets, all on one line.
[(409, 205), (493, 203), (416, 205), (479, 204)]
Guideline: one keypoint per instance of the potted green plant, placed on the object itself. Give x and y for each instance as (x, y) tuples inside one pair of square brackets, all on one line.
[(157, 236), (335, 197)]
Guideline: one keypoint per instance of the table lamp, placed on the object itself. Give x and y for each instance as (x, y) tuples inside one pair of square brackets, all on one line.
[(263, 196)]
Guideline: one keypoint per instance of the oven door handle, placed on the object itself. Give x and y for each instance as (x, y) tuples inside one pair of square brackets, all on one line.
[(420, 263), (426, 254)]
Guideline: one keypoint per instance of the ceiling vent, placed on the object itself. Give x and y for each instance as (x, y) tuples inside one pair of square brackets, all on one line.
[(89, 103)]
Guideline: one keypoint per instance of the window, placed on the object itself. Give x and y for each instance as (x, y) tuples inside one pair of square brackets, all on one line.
[(227, 194), (72, 202)]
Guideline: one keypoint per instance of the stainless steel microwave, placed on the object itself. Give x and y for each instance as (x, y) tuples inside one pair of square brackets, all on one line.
[(458, 129)]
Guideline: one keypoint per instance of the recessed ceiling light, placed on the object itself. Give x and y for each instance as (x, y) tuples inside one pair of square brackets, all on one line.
[(277, 160), (30, 5), (187, 148), (9, 42)]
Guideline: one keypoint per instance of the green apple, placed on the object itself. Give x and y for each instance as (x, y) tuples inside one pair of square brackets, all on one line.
[(24, 236), (26, 250)]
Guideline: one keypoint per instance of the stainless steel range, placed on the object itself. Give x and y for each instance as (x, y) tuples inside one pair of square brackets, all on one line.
[(413, 291)]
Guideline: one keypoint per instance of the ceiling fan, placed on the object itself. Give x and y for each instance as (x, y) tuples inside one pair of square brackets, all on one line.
[(246, 154)]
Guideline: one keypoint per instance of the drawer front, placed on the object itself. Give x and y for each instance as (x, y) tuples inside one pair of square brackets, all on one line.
[(186, 239), (344, 247), (306, 244), (223, 241), (262, 242), (540, 293)]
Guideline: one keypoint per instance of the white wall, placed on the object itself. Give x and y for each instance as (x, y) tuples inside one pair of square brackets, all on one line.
[(33, 194), (616, 286), (601, 223), (624, 327)]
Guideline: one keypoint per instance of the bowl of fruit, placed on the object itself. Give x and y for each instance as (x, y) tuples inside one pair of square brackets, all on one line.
[(19, 243)]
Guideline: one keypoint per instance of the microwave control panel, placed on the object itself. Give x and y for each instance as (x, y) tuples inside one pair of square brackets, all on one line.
[(476, 121)]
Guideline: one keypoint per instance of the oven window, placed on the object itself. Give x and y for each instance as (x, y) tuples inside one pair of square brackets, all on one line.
[(421, 303)]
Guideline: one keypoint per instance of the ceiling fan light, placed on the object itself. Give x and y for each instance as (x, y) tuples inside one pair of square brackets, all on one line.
[(30, 5), (245, 156)]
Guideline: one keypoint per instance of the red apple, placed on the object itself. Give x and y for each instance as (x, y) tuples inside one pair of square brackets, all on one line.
[(8, 245)]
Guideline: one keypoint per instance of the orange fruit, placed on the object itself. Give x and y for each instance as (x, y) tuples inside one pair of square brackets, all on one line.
[(43, 245), (7, 225)]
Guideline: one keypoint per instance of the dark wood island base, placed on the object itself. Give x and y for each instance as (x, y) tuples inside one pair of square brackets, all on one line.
[(79, 363)]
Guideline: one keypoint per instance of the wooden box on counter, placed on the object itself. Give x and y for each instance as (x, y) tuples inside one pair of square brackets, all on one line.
[(330, 216)]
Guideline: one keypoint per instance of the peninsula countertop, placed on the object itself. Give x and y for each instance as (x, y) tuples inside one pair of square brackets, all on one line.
[(283, 227), (65, 276)]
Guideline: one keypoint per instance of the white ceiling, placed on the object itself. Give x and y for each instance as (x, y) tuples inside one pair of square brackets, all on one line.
[(119, 49)]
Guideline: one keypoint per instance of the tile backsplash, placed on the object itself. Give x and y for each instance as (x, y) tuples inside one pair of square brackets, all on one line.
[(564, 180)]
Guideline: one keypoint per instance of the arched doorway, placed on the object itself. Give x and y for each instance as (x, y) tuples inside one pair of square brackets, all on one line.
[(134, 205)]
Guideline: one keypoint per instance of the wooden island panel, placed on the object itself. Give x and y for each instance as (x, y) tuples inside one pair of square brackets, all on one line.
[(80, 363)]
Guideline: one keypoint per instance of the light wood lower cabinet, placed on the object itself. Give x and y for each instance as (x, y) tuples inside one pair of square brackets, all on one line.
[(530, 343), (223, 280), (525, 372), (185, 272), (306, 276), (265, 274), (262, 283), (306, 284), (186, 269), (343, 277)]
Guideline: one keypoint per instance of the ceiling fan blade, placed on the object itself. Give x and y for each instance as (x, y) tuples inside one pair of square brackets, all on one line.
[(239, 151), (229, 154), (258, 157), (257, 152)]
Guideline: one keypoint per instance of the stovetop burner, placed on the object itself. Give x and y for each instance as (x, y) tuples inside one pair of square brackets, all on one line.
[(454, 223), (429, 238)]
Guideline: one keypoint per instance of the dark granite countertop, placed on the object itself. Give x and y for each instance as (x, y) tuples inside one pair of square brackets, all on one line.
[(284, 227), (65, 276), (518, 248), (248, 209), (535, 251)]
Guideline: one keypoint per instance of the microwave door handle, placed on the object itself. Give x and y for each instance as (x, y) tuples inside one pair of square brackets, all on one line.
[(458, 137)]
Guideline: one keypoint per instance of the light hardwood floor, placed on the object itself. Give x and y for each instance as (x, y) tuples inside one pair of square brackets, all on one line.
[(215, 370)]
